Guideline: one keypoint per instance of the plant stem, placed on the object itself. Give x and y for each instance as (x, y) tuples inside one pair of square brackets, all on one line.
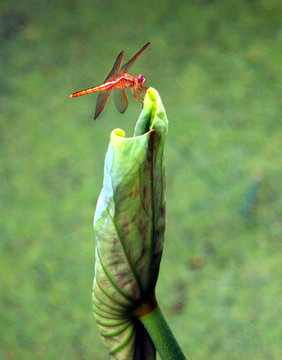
[(161, 335)]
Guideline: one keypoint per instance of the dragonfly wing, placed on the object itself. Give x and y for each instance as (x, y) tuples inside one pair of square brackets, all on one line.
[(128, 65), (121, 99), (116, 66), (102, 100)]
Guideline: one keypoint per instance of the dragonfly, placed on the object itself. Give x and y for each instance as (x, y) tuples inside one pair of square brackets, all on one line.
[(118, 80)]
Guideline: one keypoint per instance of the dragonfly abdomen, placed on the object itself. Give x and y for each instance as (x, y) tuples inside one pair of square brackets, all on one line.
[(91, 90), (123, 81)]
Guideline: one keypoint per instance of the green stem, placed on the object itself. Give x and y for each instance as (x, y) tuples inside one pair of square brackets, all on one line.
[(161, 335)]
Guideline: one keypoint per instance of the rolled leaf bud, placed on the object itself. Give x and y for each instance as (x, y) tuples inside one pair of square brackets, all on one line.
[(129, 226)]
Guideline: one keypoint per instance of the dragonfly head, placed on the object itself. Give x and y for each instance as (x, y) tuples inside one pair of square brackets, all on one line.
[(140, 80)]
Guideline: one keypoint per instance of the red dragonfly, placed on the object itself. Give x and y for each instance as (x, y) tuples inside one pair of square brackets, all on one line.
[(119, 80)]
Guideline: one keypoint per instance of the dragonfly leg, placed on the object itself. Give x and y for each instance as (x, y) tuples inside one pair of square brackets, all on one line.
[(140, 92), (139, 96), (136, 97), (141, 89)]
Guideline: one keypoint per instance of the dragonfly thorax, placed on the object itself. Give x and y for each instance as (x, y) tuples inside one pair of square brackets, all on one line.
[(140, 80)]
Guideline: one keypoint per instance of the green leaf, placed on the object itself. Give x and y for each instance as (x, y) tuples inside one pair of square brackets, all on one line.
[(129, 226)]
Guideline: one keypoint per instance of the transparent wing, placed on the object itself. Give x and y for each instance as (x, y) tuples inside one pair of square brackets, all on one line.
[(121, 99), (102, 100), (128, 65), (116, 66)]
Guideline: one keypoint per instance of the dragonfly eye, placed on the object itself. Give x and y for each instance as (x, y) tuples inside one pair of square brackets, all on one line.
[(140, 79)]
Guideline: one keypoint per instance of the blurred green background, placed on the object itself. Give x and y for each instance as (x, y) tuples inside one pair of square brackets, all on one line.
[(217, 66)]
